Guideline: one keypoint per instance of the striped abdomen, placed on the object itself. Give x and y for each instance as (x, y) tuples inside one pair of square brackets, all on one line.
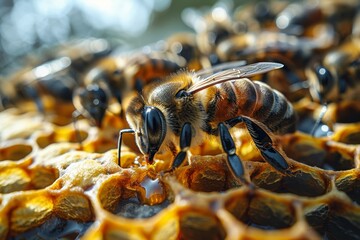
[(253, 99)]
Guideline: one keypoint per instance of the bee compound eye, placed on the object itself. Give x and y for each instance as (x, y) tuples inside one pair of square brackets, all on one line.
[(324, 76), (154, 128), (143, 143)]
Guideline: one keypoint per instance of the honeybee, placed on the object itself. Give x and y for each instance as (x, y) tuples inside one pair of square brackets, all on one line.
[(291, 51), (303, 19), (83, 52), (188, 106), (53, 78), (211, 27), (114, 76), (57, 75), (184, 45), (336, 77), (266, 44), (258, 16)]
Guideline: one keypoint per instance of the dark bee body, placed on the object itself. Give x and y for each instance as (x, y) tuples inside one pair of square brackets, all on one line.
[(124, 73), (301, 19), (115, 76), (190, 106), (258, 16), (54, 78), (289, 50), (211, 28), (336, 76), (184, 45), (270, 45)]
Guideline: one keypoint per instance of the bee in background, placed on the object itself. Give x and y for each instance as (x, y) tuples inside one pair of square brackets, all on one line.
[(83, 52), (258, 16), (188, 106), (54, 78), (291, 51), (337, 76), (57, 77), (304, 19), (296, 18), (115, 76), (266, 44), (211, 28), (184, 45)]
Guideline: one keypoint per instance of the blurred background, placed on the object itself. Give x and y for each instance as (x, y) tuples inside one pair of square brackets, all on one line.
[(26, 25)]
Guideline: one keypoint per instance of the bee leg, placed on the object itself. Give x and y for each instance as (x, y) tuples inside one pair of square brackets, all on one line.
[(319, 119), (233, 121), (265, 144), (120, 142), (185, 142), (75, 115), (234, 162), (33, 93)]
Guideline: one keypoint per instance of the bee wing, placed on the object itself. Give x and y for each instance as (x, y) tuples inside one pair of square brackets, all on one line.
[(203, 73), (231, 74), (46, 69)]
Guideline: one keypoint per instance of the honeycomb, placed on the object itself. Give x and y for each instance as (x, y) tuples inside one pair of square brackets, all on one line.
[(58, 181)]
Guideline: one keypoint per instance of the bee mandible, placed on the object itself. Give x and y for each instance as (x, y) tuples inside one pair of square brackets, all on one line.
[(188, 106)]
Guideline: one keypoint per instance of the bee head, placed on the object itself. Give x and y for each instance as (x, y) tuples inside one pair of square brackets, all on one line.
[(152, 131), (321, 83)]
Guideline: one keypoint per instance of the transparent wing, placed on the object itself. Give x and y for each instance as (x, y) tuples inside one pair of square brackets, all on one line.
[(203, 73), (208, 79), (43, 71)]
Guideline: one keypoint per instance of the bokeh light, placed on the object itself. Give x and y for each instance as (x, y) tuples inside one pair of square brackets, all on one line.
[(26, 25)]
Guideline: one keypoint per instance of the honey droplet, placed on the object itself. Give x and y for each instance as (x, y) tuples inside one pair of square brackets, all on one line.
[(151, 191)]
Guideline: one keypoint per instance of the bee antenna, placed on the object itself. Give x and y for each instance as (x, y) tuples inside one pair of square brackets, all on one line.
[(128, 130)]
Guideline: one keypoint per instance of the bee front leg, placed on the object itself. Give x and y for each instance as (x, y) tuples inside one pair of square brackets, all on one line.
[(75, 116), (234, 162), (121, 132), (185, 142), (33, 93), (265, 144)]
